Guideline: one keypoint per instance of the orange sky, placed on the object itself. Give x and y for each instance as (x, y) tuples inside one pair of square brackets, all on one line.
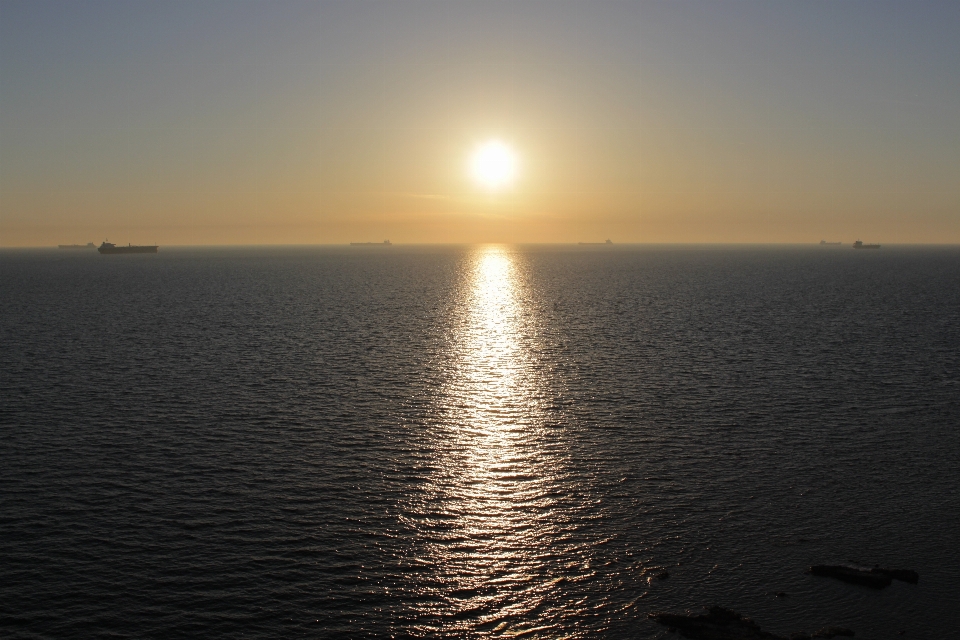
[(339, 122)]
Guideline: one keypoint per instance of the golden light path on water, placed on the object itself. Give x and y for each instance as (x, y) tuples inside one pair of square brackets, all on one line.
[(496, 526)]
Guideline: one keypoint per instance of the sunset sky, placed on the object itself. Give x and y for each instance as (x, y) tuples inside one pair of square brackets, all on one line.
[(328, 122)]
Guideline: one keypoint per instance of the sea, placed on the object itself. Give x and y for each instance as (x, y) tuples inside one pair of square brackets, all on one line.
[(544, 441)]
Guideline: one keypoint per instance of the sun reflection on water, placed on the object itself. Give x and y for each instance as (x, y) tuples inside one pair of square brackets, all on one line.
[(492, 527)]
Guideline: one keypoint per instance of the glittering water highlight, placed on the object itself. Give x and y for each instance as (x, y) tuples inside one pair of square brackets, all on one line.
[(493, 524)]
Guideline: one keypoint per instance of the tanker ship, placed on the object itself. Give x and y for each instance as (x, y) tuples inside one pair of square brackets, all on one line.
[(109, 247)]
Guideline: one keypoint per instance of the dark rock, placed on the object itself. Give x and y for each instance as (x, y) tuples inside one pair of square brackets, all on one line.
[(833, 632), (717, 624), (656, 573), (904, 575), (849, 574)]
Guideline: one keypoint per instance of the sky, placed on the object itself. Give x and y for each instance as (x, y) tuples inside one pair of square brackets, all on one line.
[(186, 123)]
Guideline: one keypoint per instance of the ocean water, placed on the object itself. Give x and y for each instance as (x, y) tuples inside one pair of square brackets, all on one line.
[(476, 441)]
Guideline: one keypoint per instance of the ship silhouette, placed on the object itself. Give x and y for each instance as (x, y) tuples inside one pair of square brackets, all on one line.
[(110, 248)]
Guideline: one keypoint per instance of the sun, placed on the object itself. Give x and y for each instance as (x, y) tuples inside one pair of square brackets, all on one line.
[(493, 165)]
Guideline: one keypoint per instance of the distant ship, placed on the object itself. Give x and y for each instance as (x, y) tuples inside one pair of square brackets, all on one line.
[(824, 242), (89, 245), (860, 245), (595, 243), (109, 247), (385, 243)]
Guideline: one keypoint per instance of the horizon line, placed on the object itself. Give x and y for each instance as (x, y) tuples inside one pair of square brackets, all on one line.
[(494, 242)]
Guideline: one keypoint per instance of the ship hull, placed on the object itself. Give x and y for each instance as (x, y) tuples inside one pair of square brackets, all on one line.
[(128, 249)]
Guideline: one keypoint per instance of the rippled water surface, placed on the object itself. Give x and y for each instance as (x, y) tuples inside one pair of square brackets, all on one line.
[(476, 441)]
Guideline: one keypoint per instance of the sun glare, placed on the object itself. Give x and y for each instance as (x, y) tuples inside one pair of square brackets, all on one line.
[(493, 165)]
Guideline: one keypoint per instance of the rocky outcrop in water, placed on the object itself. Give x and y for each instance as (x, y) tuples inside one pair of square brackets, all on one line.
[(717, 624), (904, 575), (725, 624), (878, 577), (851, 575)]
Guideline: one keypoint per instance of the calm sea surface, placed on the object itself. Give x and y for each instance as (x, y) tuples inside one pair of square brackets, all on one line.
[(474, 441)]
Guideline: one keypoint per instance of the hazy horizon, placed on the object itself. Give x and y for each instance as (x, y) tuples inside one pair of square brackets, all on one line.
[(336, 122), (533, 243)]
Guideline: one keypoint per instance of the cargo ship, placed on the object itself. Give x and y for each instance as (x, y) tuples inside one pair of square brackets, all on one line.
[(109, 247), (385, 243), (89, 245), (860, 245), (596, 243)]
